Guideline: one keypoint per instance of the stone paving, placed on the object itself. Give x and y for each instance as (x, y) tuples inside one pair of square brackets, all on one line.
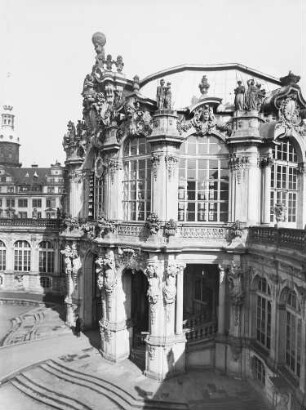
[(66, 372)]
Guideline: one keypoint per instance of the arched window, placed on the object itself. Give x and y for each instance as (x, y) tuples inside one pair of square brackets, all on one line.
[(293, 334), (263, 313), (46, 257), (203, 180), (284, 189), (2, 256), (136, 180), (22, 256)]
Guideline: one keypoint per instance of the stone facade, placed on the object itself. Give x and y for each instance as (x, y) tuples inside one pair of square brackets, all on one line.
[(188, 224), (185, 238), (30, 208)]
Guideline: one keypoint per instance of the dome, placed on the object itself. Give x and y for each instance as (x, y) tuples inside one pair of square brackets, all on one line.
[(220, 82)]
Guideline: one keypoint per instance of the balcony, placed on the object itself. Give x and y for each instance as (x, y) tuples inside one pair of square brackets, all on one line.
[(283, 238), (188, 235)]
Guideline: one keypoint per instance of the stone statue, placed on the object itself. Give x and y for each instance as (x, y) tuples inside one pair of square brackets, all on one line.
[(160, 94), (251, 95), (239, 96), (169, 290), (154, 283), (168, 97), (99, 41), (35, 213), (119, 64), (261, 94)]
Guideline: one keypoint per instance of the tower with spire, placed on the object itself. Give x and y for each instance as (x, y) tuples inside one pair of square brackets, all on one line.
[(9, 142)]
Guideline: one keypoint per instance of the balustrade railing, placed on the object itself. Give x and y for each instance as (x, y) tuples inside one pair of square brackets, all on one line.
[(196, 328), (280, 237), (30, 222)]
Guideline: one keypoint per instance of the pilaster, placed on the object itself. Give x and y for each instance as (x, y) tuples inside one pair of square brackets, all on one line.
[(266, 162), (244, 165), (165, 142), (76, 188)]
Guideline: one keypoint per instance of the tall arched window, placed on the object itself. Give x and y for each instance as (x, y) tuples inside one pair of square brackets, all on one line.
[(46, 257), (2, 256), (22, 256), (203, 180), (293, 334), (136, 180), (284, 187), (263, 313)]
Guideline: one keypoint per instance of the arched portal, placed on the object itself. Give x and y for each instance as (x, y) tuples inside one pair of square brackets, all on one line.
[(135, 287), (201, 285), (92, 294)]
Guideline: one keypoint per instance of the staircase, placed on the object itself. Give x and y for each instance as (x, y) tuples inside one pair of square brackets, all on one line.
[(61, 387)]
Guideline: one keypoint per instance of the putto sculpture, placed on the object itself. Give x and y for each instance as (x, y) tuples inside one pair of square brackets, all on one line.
[(99, 41)]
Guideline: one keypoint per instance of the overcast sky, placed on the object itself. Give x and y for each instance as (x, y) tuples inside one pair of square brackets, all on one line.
[(46, 47)]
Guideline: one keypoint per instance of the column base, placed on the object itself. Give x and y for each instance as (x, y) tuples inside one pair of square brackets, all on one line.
[(165, 357), (221, 354), (115, 341)]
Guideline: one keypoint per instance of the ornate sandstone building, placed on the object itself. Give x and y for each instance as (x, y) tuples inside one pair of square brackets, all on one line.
[(185, 238), (30, 203)]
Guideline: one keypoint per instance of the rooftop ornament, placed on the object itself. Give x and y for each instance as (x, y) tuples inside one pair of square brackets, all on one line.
[(290, 79), (204, 86)]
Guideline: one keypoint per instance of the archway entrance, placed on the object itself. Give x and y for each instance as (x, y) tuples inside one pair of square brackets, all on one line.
[(201, 289), (135, 287)]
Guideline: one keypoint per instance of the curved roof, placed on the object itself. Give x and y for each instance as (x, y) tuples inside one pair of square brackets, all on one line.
[(185, 80)]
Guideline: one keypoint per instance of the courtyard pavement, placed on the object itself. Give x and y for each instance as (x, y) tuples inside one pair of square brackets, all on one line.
[(66, 372)]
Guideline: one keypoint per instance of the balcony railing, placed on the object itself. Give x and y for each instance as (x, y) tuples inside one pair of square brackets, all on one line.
[(197, 328), (280, 237), (30, 222)]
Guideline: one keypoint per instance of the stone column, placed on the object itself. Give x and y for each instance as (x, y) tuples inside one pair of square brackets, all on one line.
[(173, 292), (222, 295), (76, 193), (165, 354), (72, 269), (301, 212), (112, 185), (221, 346), (165, 164), (179, 300), (253, 187), (236, 292), (114, 335)]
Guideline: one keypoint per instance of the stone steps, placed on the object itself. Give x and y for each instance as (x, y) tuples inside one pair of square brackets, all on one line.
[(46, 396), (91, 388), (46, 382), (127, 400)]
